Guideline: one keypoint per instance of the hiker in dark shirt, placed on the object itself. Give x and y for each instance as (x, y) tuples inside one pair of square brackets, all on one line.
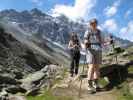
[(74, 46)]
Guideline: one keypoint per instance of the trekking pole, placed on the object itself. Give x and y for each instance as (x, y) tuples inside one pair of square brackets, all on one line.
[(81, 76)]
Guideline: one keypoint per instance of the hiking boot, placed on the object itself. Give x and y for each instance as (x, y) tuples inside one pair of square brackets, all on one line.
[(91, 89)]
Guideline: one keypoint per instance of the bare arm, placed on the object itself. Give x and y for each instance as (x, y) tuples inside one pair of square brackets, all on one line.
[(70, 46), (86, 40)]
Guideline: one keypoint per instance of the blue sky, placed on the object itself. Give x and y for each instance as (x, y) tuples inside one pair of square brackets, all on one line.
[(115, 16)]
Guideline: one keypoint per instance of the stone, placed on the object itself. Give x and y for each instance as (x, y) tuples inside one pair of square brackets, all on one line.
[(18, 75), (13, 97), (8, 80), (33, 92), (32, 80), (3, 94), (60, 86), (59, 77), (39, 77), (15, 89), (106, 79)]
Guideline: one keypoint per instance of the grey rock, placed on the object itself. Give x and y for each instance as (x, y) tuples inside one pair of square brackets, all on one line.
[(8, 80), (3, 94), (13, 97), (33, 82), (59, 77), (13, 89)]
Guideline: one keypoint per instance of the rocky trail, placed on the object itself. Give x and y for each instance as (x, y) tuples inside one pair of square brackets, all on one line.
[(71, 87)]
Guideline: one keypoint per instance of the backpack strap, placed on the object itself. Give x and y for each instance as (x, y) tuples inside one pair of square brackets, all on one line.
[(98, 35)]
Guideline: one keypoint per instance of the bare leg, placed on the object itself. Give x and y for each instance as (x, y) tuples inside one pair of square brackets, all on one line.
[(96, 77), (90, 78), (90, 71), (72, 67), (96, 72)]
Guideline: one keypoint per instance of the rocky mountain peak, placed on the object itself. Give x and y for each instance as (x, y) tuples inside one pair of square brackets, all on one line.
[(10, 12), (37, 12), (56, 29)]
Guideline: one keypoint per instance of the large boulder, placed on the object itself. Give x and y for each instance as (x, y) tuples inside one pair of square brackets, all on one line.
[(42, 78)]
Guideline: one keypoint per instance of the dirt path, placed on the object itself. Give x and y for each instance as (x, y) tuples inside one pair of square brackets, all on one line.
[(71, 88)]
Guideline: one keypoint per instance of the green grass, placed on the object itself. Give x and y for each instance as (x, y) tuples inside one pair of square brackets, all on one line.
[(130, 69), (48, 96), (125, 97), (123, 93), (130, 49), (130, 57)]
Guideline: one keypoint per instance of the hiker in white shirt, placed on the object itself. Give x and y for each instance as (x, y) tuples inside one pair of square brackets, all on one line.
[(93, 45)]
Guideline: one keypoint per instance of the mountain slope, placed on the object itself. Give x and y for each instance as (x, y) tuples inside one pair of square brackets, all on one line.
[(37, 53), (22, 56)]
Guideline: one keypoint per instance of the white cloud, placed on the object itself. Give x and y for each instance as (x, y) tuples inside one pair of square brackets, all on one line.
[(80, 9), (127, 32), (110, 25), (128, 13), (37, 2), (112, 10), (100, 27)]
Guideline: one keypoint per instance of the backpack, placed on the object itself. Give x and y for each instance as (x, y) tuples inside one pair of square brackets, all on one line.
[(96, 44)]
